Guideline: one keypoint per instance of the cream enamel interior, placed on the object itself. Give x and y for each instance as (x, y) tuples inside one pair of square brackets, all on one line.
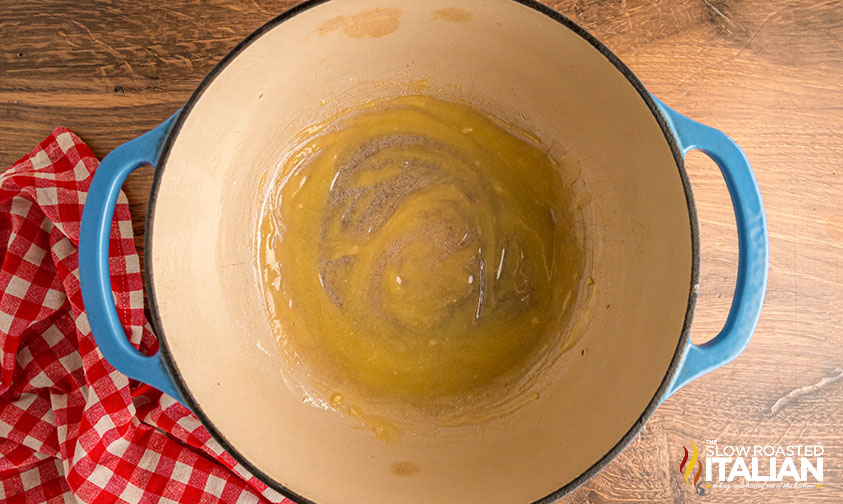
[(514, 62)]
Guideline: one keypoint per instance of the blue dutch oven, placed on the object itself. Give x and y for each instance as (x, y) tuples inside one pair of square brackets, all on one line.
[(515, 58)]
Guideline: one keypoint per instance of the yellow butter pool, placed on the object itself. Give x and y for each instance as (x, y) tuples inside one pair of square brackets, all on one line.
[(415, 249)]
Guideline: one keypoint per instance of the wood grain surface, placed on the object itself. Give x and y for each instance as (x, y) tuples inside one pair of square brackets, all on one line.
[(767, 72)]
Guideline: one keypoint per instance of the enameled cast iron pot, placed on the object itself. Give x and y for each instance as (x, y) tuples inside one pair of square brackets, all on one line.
[(516, 59)]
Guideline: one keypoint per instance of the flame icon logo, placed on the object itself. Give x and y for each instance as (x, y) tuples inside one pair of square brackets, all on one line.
[(686, 467)]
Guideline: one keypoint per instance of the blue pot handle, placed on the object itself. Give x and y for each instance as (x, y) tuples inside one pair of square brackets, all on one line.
[(753, 258), (94, 278)]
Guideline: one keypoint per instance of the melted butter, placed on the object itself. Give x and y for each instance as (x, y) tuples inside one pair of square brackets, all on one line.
[(417, 250), (453, 14), (371, 23)]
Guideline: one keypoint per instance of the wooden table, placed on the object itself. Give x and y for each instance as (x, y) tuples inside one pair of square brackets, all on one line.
[(769, 73)]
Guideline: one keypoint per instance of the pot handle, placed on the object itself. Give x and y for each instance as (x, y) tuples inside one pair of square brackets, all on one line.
[(753, 245), (94, 278)]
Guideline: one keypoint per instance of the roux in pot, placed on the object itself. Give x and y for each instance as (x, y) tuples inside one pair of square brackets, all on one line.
[(417, 249)]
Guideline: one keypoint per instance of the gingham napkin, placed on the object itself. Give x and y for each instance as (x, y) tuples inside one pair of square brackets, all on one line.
[(72, 428)]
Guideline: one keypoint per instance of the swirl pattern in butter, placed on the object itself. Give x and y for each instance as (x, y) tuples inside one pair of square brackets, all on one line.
[(416, 249)]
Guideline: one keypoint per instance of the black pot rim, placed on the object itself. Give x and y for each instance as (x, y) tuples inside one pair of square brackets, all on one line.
[(633, 431)]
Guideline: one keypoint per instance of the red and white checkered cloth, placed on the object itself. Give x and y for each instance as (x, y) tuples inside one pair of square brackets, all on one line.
[(72, 428)]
